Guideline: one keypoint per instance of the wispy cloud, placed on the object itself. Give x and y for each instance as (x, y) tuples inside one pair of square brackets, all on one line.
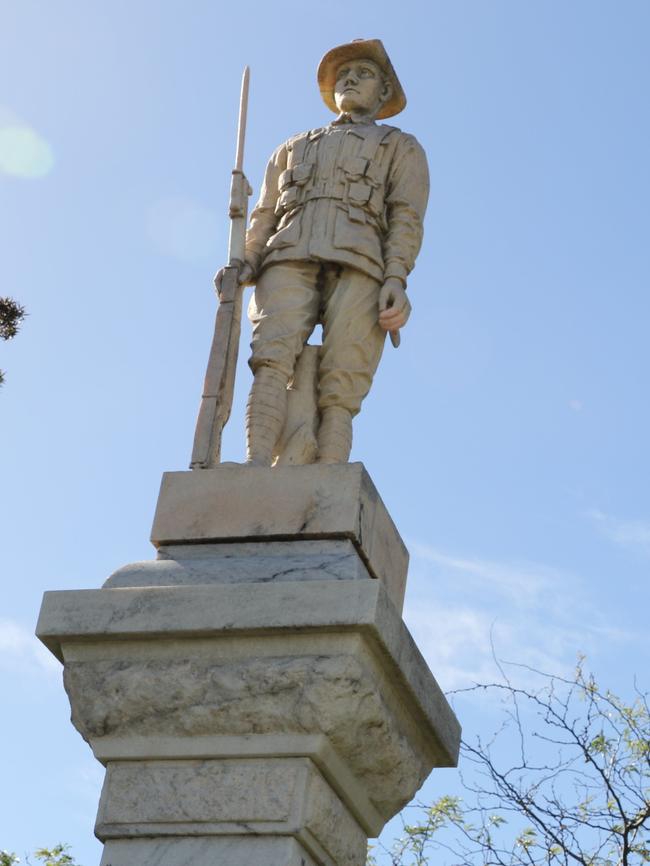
[(521, 581), (531, 613), (22, 652), (631, 534)]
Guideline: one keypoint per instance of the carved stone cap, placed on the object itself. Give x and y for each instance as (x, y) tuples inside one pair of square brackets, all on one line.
[(360, 49)]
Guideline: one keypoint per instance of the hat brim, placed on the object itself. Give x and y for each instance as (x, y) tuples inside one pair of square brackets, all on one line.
[(360, 49)]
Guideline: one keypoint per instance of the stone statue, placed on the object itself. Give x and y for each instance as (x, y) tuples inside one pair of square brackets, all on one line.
[(332, 239), (253, 692)]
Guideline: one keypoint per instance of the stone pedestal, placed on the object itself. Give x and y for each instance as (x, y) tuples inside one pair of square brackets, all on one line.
[(253, 692)]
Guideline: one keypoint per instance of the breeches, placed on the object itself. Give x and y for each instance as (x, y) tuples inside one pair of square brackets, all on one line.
[(291, 298)]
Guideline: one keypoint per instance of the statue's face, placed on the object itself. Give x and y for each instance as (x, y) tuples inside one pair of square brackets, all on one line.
[(360, 88)]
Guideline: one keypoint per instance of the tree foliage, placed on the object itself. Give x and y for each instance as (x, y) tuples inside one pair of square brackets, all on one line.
[(57, 856), (11, 315), (564, 781)]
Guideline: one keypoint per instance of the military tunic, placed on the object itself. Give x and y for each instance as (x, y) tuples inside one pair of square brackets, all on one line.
[(340, 211)]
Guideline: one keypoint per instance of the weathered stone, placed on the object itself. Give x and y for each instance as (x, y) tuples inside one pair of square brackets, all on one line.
[(206, 851), (265, 687), (327, 658), (246, 503), (337, 695), (282, 610), (244, 562), (314, 746), (282, 796)]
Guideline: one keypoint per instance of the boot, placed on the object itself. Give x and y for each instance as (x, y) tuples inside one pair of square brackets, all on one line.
[(266, 412), (334, 435)]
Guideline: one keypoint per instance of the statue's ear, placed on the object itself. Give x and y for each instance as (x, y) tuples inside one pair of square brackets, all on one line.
[(387, 91)]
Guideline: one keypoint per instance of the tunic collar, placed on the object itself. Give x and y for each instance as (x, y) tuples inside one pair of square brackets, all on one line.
[(350, 118)]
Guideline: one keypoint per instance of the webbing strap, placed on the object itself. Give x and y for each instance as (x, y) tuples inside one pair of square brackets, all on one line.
[(373, 140), (297, 150)]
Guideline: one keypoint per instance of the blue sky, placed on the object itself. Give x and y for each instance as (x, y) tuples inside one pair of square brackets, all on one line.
[(509, 433)]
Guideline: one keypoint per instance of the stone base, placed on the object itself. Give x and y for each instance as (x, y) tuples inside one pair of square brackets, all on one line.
[(256, 505), (230, 797), (253, 693), (206, 851), (244, 562)]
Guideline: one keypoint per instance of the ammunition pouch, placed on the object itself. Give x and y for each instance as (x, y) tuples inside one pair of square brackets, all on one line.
[(358, 182), (290, 183)]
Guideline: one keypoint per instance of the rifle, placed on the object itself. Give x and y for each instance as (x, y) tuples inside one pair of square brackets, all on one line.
[(219, 385)]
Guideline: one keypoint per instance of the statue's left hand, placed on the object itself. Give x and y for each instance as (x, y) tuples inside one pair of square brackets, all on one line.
[(394, 305)]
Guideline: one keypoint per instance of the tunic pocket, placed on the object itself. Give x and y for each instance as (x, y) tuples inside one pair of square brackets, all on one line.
[(301, 172), (358, 237), (355, 167), (286, 236), (287, 200), (358, 194)]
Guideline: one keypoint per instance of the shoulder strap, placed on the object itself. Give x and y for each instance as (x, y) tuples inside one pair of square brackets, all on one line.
[(296, 151), (373, 139)]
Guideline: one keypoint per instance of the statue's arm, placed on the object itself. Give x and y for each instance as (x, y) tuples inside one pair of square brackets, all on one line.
[(407, 193), (406, 203), (263, 222)]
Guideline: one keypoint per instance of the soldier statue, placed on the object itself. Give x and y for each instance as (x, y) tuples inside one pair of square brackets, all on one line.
[(331, 241)]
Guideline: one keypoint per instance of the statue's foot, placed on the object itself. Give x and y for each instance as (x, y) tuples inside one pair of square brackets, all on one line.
[(257, 461), (219, 465)]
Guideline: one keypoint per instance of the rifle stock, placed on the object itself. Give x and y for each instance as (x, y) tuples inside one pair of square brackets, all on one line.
[(219, 385)]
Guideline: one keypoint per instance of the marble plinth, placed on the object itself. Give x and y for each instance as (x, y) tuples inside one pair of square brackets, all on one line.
[(255, 698), (253, 504)]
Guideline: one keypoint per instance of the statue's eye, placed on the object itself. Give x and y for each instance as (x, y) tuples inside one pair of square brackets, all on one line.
[(342, 73)]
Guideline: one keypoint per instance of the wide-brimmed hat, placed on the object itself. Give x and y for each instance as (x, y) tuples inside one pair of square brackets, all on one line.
[(360, 49)]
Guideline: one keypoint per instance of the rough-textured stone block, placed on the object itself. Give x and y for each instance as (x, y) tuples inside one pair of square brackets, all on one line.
[(281, 610), (327, 658)]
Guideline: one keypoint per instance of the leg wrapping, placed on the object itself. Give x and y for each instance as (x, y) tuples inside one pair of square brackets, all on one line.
[(266, 412), (335, 435)]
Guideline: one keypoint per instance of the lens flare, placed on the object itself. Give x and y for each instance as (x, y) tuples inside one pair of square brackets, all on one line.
[(24, 153)]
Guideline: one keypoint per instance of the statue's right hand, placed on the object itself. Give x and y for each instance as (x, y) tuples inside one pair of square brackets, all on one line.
[(244, 277)]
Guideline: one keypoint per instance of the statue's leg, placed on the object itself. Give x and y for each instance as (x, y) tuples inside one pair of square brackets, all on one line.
[(283, 312), (265, 414), (334, 435), (352, 346)]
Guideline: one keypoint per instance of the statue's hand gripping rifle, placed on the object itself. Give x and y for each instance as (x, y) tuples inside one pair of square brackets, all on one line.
[(219, 385)]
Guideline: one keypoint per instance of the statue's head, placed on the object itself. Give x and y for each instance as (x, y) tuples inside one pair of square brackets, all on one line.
[(358, 77)]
